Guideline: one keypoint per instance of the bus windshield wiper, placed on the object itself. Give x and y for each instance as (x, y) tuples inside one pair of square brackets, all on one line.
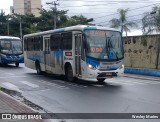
[(15, 49), (109, 46)]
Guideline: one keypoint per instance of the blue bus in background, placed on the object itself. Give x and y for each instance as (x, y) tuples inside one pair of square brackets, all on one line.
[(11, 50)]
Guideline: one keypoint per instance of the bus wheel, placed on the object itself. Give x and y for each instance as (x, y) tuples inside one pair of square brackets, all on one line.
[(100, 80), (69, 73), (38, 68), (17, 64)]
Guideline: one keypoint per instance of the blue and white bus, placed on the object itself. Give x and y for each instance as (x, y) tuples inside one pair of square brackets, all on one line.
[(80, 51), (11, 50)]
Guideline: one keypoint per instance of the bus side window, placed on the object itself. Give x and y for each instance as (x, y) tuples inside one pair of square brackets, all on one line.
[(51, 42), (36, 44), (67, 41), (30, 44), (25, 44), (55, 41), (41, 43)]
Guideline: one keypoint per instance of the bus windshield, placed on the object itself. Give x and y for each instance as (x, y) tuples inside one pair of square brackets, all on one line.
[(104, 44), (11, 46)]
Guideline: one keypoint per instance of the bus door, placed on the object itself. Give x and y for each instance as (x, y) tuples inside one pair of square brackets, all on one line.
[(78, 45), (47, 55)]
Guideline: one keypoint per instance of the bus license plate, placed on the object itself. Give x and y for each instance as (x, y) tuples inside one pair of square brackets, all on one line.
[(109, 73)]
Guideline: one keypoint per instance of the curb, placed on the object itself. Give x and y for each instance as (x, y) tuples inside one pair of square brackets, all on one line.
[(142, 71), (10, 100), (19, 106)]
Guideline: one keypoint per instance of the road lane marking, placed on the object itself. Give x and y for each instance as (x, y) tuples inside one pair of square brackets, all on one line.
[(139, 82), (71, 84), (97, 85), (9, 73), (30, 84), (133, 82), (52, 84), (149, 82), (13, 76), (11, 86), (76, 85), (120, 82)]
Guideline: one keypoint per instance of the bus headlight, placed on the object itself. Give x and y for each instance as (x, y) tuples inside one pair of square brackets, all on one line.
[(122, 66), (91, 67)]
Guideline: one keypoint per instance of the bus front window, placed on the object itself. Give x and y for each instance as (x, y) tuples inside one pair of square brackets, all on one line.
[(11, 46), (104, 44), (17, 46)]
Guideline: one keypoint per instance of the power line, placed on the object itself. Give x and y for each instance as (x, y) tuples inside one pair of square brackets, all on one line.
[(89, 5), (128, 10), (140, 20), (96, 5), (85, 5), (126, 17), (108, 1)]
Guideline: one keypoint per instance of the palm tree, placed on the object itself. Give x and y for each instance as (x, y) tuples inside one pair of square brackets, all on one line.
[(122, 22)]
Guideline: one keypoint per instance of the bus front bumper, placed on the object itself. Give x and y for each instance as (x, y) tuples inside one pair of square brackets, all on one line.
[(10, 60), (97, 74)]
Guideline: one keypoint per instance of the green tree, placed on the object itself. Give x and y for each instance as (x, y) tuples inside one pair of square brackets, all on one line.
[(47, 19), (3, 23), (75, 20), (122, 22), (28, 22)]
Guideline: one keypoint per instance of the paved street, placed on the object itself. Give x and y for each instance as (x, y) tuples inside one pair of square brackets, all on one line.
[(119, 95)]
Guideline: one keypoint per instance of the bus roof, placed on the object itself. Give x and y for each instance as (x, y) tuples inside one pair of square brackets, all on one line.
[(8, 37), (77, 27)]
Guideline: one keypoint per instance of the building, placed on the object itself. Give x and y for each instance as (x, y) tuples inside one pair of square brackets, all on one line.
[(26, 7)]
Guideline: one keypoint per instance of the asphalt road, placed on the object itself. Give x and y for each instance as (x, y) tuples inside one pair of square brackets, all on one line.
[(131, 94)]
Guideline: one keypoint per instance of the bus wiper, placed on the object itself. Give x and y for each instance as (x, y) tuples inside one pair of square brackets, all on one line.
[(109, 46), (15, 49)]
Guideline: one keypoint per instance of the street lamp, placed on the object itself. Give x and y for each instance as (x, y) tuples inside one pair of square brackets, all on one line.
[(20, 27)]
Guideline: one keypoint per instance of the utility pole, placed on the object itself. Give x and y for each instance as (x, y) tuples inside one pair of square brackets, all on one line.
[(20, 27), (8, 18), (8, 27), (54, 11)]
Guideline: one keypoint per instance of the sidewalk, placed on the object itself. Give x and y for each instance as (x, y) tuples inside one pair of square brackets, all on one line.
[(10, 105), (143, 77), (147, 72)]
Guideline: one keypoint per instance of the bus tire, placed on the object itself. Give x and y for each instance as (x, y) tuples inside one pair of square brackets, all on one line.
[(38, 68), (100, 80), (17, 64), (69, 73)]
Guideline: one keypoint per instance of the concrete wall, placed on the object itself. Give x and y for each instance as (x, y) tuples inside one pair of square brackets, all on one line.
[(142, 51)]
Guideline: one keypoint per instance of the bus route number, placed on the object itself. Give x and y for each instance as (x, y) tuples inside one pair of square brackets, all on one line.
[(96, 50)]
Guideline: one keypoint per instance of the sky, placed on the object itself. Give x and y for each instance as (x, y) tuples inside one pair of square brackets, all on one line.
[(100, 10)]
